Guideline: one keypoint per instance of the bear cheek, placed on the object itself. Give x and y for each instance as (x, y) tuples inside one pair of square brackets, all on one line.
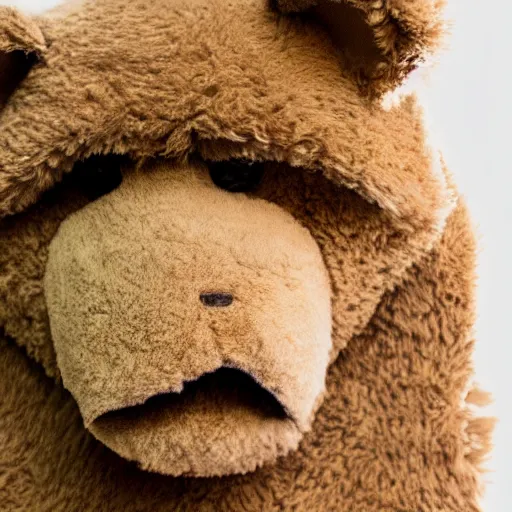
[(191, 325)]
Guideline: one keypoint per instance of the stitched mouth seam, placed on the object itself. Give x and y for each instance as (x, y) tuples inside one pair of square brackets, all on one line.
[(250, 394)]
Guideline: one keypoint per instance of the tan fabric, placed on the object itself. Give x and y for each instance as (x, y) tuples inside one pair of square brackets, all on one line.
[(391, 435), (321, 123), (340, 372), (194, 85), (122, 276), (21, 42), (403, 33), (18, 32), (123, 285)]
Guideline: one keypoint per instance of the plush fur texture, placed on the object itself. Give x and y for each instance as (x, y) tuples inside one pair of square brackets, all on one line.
[(21, 40), (17, 32), (338, 377), (357, 242), (394, 432), (401, 32), (128, 323), (195, 87)]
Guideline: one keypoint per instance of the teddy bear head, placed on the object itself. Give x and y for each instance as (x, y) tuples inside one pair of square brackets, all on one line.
[(203, 202)]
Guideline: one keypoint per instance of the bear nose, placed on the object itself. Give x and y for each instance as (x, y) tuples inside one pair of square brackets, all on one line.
[(216, 299)]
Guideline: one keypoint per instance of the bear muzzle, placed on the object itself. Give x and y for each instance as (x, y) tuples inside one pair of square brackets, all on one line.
[(191, 325)]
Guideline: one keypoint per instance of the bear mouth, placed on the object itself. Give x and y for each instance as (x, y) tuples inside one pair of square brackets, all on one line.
[(229, 387), (222, 423)]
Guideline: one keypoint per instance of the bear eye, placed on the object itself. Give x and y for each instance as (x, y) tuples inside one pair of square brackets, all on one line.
[(237, 175), (99, 175)]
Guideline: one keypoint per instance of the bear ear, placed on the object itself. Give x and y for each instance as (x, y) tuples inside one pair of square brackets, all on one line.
[(22, 44), (380, 41)]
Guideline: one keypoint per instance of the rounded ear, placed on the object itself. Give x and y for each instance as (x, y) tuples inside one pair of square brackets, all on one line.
[(21, 44), (380, 41)]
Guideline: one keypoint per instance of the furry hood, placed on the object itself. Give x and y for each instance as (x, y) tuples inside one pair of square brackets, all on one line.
[(377, 265), (192, 87)]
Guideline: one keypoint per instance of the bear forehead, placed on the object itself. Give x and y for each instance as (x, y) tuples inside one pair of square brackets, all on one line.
[(172, 71)]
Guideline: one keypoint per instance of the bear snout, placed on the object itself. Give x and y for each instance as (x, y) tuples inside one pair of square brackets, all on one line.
[(143, 314)]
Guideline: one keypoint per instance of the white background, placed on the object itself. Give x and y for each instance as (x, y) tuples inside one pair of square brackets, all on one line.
[(468, 105)]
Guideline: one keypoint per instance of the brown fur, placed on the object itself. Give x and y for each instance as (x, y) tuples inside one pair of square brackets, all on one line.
[(127, 322), (17, 32), (362, 313), (404, 33), (392, 433), (196, 84), (21, 40)]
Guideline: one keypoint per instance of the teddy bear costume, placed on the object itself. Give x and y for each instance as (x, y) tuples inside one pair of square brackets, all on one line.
[(230, 279)]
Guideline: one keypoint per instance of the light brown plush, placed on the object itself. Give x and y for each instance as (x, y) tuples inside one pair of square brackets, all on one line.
[(128, 324), (338, 379)]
